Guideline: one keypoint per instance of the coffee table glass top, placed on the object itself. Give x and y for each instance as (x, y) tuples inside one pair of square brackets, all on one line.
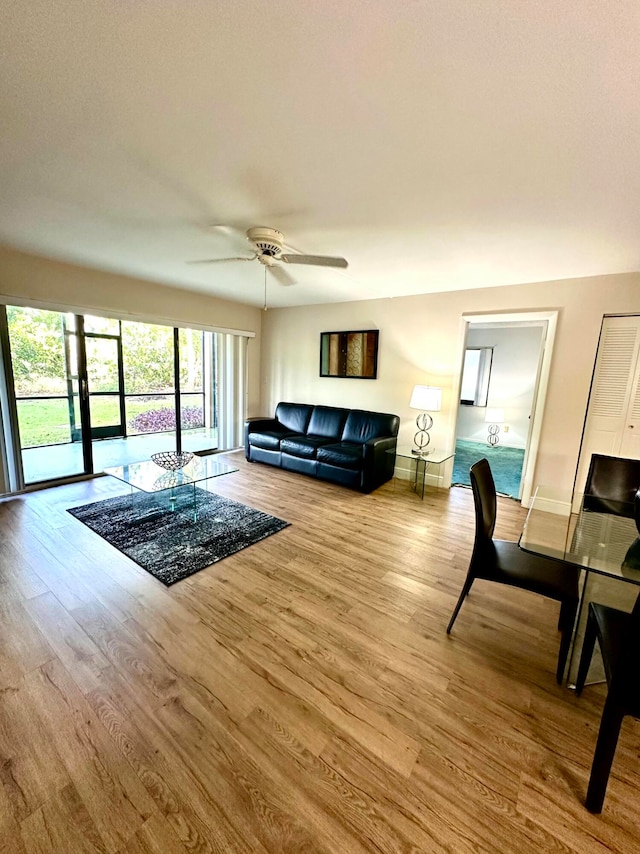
[(436, 455), (149, 477)]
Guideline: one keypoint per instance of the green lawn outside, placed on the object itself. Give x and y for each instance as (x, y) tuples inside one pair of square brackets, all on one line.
[(46, 422)]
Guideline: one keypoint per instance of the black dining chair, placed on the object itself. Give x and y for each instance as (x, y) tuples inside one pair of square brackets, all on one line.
[(618, 635), (611, 485), (506, 563)]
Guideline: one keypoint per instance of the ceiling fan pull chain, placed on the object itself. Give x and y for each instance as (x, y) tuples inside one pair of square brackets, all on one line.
[(265, 288)]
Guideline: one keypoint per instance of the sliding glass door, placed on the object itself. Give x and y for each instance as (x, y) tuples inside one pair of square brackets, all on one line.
[(105, 377), (149, 396), (44, 356), (198, 410), (91, 392)]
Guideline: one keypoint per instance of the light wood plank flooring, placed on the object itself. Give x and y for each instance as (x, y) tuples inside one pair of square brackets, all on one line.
[(300, 696)]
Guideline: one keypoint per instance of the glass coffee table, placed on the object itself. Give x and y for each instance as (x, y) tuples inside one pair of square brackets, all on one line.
[(176, 490), (433, 457)]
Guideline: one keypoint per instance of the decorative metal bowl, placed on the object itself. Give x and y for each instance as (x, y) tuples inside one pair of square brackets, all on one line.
[(172, 461)]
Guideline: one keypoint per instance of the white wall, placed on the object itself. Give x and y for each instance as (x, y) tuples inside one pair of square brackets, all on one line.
[(29, 279), (421, 341), (516, 353)]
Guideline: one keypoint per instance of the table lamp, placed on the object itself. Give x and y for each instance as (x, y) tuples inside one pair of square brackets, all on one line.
[(427, 398), (494, 418)]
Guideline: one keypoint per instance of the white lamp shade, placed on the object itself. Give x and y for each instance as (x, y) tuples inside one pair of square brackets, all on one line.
[(493, 415), (427, 398)]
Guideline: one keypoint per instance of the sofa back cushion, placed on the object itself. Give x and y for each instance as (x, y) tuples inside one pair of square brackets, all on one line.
[(294, 416), (327, 421), (362, 426)]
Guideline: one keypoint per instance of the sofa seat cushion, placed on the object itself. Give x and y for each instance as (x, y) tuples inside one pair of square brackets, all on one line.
[(344, 454), (270, 440), (303, 446)]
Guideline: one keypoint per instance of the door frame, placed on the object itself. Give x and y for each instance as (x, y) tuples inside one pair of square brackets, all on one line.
[(115, 430), (81, 336), (540, 392)]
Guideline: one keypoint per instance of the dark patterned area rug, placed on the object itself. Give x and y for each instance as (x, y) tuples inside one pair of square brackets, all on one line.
[(169, 543)]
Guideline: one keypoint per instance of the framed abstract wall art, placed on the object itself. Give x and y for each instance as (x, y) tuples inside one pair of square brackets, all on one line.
[(350, 355)]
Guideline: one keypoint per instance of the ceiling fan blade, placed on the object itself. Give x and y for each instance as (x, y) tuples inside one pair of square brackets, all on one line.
[(222, 260), (234, 231), (314, 260), (282, 276)]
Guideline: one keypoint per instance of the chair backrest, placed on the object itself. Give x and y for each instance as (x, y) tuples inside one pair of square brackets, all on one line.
[(484, 497), (611, 486)]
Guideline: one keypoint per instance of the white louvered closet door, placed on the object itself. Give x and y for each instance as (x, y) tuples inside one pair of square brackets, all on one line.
[(630, 445), (613, 415)]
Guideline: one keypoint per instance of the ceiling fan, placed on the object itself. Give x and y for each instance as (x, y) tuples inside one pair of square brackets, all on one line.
[(269, 243)]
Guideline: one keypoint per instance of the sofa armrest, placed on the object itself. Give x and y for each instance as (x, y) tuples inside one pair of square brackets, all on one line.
[(379, 465), (255, 425), (260, 422), (375, 447)]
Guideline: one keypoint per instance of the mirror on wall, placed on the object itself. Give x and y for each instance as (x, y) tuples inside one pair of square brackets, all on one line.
[(349, 354), (476, 374)]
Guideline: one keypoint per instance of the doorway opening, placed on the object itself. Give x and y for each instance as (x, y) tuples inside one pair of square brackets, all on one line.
[(505, 364)]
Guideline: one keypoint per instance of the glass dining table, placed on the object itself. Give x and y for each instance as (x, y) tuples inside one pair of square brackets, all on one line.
[(605, 545)]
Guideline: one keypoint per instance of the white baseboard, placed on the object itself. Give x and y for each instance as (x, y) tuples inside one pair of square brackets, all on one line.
[(432, 479), (551, 505)]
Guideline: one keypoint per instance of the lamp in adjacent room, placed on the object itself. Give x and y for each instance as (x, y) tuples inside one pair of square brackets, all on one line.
[(494, 418), (427, 399)]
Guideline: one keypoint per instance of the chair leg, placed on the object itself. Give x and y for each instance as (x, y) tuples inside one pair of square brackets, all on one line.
[(568, 611), (466, 587), (603, 756), (588, 645)]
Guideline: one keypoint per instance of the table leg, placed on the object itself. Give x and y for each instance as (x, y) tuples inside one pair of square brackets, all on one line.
[(615, 592), (424, 474)]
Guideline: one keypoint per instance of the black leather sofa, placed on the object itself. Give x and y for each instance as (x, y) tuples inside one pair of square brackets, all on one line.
[(346, 446)]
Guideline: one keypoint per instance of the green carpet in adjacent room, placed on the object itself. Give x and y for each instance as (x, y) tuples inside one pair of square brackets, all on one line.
[(506, 465)]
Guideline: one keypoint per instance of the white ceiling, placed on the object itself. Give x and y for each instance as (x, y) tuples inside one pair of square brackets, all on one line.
[(436, 144)]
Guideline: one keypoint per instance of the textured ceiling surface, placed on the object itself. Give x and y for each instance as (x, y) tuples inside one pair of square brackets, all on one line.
[(436, 145)]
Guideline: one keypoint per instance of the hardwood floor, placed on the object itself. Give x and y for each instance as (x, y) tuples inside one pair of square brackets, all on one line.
[(299, 696)]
